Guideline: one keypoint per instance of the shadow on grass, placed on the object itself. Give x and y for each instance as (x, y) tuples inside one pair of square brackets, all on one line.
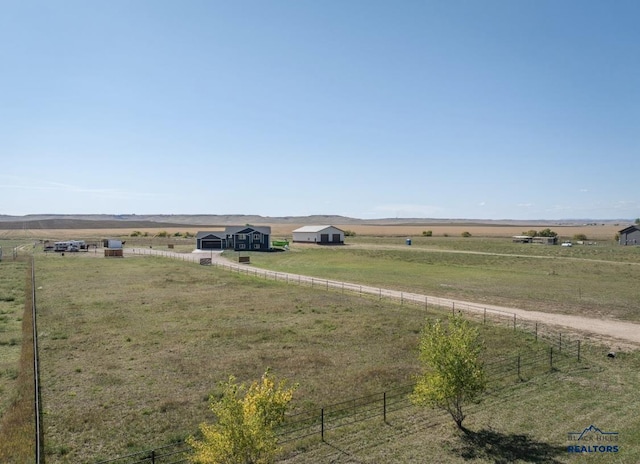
[(502, 448)]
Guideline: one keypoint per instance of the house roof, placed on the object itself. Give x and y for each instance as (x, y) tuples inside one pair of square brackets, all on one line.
[(631, 228), (205, 234), (231, 230), (315, 228)]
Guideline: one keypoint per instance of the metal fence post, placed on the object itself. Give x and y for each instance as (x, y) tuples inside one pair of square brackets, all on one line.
[(322, 424), (578, 350), (560, 343), (550, 358)]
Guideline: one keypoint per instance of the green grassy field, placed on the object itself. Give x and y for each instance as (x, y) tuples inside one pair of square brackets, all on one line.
[(12, 294), (132, 348), (17, 419), (595, 281)]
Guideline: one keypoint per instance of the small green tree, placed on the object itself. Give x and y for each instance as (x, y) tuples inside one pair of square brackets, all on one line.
[(637, 220), (580, 237), (427, 233), (466, 234), (454, 374), (246, 418), (547, 233), (531, 233)]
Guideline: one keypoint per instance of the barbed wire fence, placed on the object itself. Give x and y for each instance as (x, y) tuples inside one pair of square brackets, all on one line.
[(557, 349)]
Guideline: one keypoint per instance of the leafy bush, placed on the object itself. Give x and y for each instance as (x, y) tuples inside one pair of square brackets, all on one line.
[(427, 233), (547, 233), (466, 234)]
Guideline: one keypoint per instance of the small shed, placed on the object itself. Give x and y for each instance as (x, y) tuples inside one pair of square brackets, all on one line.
[(630, 235), (323, 235)]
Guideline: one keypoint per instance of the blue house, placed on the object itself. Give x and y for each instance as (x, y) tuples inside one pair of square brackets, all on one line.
[(237, 238)]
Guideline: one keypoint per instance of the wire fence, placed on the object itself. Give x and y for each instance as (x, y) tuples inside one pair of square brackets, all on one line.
[(554, 353), (556, 350), (559, 349), (486, 313)]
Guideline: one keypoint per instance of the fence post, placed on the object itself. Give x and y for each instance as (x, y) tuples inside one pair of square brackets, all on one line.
[(384, 407), (453, 308), (578, 350), (551, 358), (514, 321), (536, 331), (560, 343), (484, 318), (153, 456), (519, 367), (401, 298), (322, 423)]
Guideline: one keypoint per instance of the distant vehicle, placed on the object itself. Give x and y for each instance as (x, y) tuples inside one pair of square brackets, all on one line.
[(71, 245), (567, 244)]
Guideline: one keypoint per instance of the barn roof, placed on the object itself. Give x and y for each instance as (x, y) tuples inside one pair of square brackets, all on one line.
[(314, 228), (631, 228)]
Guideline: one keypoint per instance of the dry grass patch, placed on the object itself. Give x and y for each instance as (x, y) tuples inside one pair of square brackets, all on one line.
[(132, 348)]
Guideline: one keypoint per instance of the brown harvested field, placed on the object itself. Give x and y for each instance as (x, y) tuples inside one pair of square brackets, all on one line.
[(604, 232), (599, 232)]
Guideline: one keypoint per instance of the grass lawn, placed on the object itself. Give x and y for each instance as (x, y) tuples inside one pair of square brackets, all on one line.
[(594, 281), (132, 348), (12, 294)]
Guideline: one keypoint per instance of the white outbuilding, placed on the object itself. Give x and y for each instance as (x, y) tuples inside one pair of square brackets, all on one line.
[(323, 235)]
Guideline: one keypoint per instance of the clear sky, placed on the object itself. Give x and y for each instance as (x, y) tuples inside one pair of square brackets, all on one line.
[(477, 109)]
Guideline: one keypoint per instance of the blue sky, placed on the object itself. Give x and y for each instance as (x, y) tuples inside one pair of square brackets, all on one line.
[(476, 109)]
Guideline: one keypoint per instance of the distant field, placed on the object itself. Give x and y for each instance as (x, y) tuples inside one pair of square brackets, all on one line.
[(593, 232), (594, 281)]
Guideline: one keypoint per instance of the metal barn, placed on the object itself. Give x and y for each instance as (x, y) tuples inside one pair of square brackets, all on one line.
[(323, 235)]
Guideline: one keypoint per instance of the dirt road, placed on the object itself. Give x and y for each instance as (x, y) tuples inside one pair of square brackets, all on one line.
[(619, 334)]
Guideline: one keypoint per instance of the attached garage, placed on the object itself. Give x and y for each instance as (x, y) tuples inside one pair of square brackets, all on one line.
[(210, 240), (323, 235)]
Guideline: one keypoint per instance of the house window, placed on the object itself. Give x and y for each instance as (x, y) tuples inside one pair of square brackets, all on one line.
[(256, 245), (241, 246), (242, 236), (256, 236)]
